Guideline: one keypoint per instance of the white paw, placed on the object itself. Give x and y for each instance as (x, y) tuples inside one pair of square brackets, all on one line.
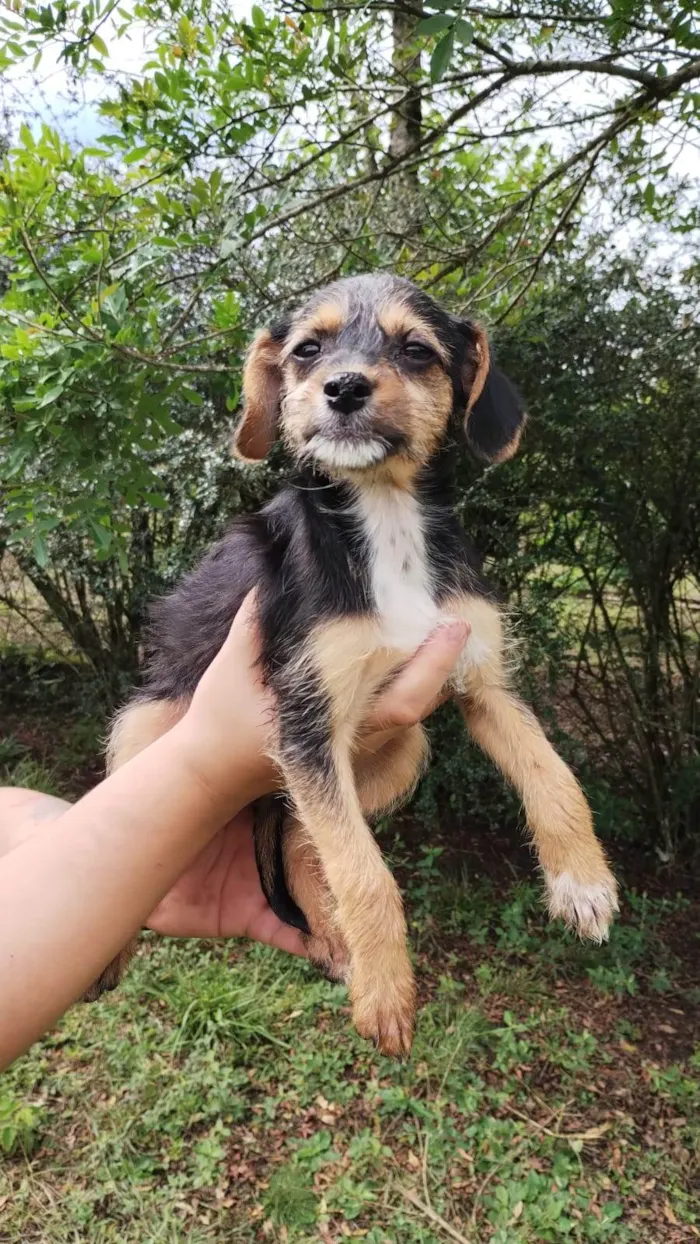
[(588, 908)]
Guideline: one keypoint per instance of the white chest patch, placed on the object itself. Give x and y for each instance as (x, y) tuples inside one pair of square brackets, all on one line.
[(401, 583)]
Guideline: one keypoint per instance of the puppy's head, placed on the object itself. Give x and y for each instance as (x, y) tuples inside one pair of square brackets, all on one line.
[(368, 377)]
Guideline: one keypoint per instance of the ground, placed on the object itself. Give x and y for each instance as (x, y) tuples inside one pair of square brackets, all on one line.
[(222, 1095)]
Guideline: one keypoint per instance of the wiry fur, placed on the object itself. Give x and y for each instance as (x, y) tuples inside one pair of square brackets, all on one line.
[(371, 385)]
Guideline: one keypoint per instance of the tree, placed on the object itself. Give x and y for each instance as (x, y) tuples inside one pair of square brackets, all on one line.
[(596, 529), (246, 162)]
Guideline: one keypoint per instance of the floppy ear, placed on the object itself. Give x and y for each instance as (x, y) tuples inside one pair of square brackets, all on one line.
[(495, 416), (262, 381)]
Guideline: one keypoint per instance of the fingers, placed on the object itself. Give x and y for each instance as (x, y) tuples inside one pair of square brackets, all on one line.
[(415, 691), (244, 635), (282, 937)]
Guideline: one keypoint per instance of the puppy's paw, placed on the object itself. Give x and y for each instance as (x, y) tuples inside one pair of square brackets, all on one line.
[(329, 953), (384, 1007), (587, 907)]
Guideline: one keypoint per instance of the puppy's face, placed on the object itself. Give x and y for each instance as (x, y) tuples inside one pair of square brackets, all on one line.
[(365, 378)]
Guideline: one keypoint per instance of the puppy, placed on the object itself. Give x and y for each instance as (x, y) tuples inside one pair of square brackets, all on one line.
[(373, 388)]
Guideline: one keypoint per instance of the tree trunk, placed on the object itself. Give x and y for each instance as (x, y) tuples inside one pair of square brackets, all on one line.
[(406, 119)]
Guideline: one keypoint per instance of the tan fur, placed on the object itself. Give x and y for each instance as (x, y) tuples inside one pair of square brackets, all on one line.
[(367, 913), (513, 445), (138, 726), (479, 364), (262, 379), (369, 910), (266, 860), (383, 779), (387, 777), (475, 388), (367, 905), (112, 975), (417, 406), (397, 319), (326, 321), (134, 729), (308, 886), (484, 661), (557, 813), (347, 655), (334, 868), (420, 406), (303, 399)]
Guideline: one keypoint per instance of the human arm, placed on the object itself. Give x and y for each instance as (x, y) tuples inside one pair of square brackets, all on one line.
[(73, 894)]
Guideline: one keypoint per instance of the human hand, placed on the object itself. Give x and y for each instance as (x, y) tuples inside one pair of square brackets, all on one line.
[(232, 703), (228, 726), (220, 894)]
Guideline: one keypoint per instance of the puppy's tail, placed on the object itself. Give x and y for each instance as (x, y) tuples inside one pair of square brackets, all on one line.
[(269, 816)]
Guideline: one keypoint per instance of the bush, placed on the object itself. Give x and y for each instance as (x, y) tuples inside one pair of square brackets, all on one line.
[(591, 532), (596, 534)]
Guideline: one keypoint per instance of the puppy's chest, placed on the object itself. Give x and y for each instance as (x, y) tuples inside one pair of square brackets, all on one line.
[(401, 582)]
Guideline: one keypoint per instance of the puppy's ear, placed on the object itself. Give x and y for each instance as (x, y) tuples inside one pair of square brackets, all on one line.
[(262, 383), (495, 416)]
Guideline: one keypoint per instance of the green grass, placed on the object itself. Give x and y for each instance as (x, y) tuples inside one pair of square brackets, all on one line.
[(222, 1095)]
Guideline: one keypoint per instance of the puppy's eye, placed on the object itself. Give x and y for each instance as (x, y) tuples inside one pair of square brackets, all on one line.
[(307, 349), (418, 352)]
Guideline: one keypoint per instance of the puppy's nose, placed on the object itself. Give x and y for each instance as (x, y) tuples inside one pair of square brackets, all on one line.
[(347, 391)]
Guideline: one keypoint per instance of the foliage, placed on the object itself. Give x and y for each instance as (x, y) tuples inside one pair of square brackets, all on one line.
[(613, 369), (19, 1125), (246, 159), (592, 533)]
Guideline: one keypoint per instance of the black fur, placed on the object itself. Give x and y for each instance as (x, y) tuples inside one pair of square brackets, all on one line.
[(269, 815), (307, 558), (307, 555), (497, 417)]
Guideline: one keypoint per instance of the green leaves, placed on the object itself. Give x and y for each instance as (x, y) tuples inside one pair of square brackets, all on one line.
[(236, 168), (99, 45), (441, 57), (455, 28), (26, 136), (50, 396), (19, 1125), (136, 155), (464, 31), (431, 25)]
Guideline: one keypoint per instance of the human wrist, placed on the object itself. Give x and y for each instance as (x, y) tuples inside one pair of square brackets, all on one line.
[(232, 775)]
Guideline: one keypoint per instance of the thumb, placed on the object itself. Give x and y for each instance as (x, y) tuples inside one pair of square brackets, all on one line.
[(415, 691)]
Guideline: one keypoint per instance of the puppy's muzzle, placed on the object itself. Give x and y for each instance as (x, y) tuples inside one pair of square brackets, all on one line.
[(347, 392)]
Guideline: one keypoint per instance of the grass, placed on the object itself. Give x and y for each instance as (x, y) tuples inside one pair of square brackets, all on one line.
[(222, 1095)]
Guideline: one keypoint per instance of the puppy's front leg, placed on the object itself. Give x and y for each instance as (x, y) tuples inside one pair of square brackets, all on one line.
[(382, 779), (368, 906), (580, 887)]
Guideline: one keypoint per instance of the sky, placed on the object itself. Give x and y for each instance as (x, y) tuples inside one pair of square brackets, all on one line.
[(49, 95)]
